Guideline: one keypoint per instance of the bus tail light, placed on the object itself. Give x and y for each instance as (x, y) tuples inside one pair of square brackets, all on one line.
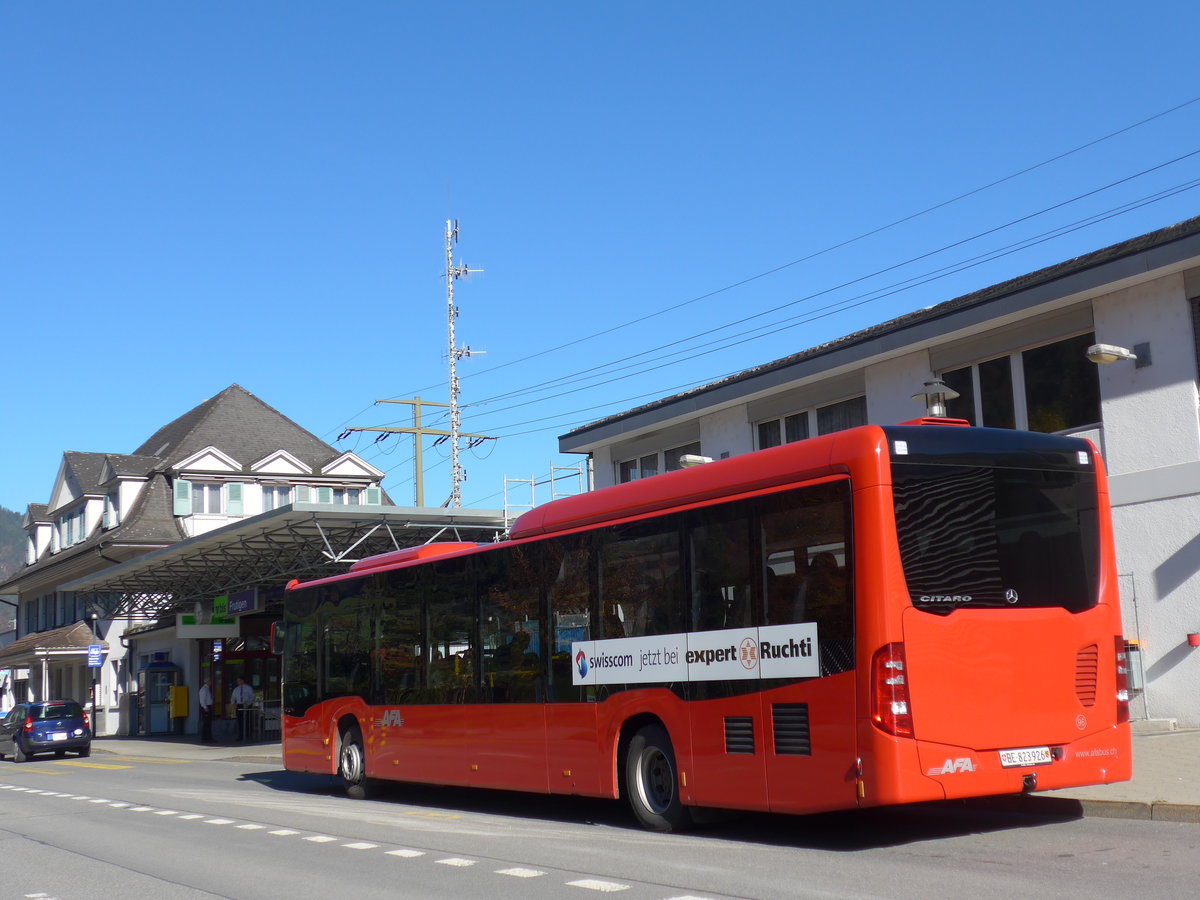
[(891, 710), (1122, 681)]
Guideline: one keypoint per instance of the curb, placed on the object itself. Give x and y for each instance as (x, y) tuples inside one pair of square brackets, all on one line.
[(1076, 808)]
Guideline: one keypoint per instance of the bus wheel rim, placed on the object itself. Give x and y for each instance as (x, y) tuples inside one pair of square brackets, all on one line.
[(352, 767), (657, 782)]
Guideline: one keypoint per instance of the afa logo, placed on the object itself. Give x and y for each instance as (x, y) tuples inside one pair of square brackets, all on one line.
[(581, 663), (955, 766)]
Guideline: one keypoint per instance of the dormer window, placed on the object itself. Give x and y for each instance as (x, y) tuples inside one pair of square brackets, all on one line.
[(206, 499), (112, 510), (275, 496), (71, 529)]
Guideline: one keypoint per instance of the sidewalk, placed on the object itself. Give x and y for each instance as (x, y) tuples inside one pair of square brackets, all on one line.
[(1165, 784)]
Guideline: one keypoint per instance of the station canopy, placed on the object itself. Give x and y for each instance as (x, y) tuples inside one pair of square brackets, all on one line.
[(302, 541)]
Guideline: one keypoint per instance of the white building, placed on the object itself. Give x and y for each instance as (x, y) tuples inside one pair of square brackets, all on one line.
[(1017, 354), (227, 460)]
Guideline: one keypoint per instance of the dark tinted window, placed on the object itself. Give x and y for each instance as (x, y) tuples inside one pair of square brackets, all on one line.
[(1062, 388), (66, 710), (976, 536)]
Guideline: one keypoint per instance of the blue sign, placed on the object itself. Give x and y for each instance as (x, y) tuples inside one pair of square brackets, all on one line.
[(95, 656)]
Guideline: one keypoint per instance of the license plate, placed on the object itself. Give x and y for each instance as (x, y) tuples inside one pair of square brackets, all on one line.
[(1026, 756), (58, 735)]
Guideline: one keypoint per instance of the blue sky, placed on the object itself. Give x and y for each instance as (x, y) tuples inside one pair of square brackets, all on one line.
[(255, 192)]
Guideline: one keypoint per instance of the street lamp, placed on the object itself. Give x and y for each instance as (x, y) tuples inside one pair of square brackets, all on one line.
[(935, 395)]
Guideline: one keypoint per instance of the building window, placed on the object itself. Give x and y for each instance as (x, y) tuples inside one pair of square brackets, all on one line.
[(71, 529), (840, 416), (633, 469), (774, 432), (275, 496), (348, 496), (1061, 389), (672, 457), (206, 499), (653, 463), (112, 510)]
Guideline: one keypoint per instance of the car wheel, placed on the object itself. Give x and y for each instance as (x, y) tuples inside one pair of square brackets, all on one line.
[(85, 751), (352, 764), (19, 754), (652, 783)]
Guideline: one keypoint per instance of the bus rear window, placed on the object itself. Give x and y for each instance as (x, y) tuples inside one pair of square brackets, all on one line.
[(976, 536)]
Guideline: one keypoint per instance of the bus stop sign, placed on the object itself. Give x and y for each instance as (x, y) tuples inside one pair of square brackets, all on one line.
[(94, 656)]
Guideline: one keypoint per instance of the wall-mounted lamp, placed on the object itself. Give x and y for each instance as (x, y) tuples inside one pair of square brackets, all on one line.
[(1104, 354), (935, 395), (693, 459)]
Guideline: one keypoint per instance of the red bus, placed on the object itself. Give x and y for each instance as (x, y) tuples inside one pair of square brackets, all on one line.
[(877, 616)]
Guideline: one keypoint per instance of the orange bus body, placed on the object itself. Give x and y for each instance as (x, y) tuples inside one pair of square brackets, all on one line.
[(990, 700)]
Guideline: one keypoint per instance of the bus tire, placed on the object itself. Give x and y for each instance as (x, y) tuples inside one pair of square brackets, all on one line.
[(652, 781), (352, 764)]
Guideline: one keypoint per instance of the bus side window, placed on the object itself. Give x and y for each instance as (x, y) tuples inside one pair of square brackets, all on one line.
[(639, 580), (721, 567), (567, 569), (512, 658), (807, 566)]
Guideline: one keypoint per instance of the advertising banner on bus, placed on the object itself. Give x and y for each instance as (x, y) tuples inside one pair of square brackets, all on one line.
[(777, 651)]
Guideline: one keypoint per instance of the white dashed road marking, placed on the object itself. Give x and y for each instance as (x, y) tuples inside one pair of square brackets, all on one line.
[(520, 873), (594, 884), (589, 884)]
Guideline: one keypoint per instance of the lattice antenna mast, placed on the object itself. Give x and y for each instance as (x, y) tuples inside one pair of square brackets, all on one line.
[(453, 273)]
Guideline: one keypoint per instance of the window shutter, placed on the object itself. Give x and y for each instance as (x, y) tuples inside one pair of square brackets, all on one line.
[(374, 496), (324, 495), (303, 493), (183, 497), (233, 498)]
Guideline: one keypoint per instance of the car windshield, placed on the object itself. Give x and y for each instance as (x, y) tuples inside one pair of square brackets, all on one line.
[(67, 710)]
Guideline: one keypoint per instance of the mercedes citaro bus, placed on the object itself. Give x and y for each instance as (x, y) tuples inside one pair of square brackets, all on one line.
[(877, 616)]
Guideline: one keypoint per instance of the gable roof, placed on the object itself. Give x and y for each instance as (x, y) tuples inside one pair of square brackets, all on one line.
[(240, 425), (87, 469)]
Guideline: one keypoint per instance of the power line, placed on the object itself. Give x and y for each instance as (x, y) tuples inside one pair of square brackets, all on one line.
[(691, 351), (837, 246)]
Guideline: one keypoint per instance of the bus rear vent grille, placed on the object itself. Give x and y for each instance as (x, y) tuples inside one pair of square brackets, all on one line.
[(1087, 666), (739, 734), (790, 724)]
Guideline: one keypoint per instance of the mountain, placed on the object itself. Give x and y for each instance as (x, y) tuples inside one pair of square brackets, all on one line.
[(12, 542)]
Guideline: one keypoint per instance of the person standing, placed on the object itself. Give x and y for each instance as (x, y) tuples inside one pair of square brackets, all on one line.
[(205, 698), (243, 700)]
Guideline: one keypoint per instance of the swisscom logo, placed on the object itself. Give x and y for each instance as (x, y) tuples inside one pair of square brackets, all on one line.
[(581, 663)]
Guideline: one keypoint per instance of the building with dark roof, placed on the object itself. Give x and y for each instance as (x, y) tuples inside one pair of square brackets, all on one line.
[(1017, 353), (230, 459)]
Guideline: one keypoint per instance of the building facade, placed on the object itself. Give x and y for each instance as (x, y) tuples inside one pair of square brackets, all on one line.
[(1017, 355), (228, 460)]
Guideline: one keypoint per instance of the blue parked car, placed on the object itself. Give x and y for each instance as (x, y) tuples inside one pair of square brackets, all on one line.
[(48, 726)]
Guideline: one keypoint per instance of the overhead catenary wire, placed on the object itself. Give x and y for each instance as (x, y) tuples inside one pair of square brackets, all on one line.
[(833, 247), (772, 327)]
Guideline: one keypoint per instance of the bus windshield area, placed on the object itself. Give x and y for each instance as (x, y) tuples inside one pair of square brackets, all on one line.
[(974, 536)]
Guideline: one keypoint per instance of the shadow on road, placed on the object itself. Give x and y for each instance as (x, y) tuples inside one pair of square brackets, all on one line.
[(847, 831)]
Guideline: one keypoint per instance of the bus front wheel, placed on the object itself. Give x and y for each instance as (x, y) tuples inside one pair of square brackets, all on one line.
[(652, 782), (352, 764)]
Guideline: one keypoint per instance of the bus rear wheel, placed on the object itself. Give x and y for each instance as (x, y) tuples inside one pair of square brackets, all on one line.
[(352, 766), (652, 781)]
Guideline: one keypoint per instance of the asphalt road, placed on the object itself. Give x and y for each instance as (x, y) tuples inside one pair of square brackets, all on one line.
[(140, 828)]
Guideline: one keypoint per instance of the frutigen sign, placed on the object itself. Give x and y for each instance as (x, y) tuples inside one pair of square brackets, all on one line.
[(776, 651)]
